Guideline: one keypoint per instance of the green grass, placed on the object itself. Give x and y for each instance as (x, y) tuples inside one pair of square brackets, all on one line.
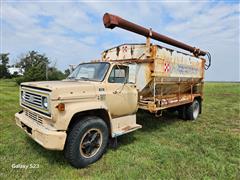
[(165, 148)]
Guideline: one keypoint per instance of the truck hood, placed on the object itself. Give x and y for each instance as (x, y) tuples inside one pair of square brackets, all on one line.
[(52, 85), (66, 89)]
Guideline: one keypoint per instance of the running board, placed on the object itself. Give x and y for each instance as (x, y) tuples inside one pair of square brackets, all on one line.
[(126, 130), (123, 125)]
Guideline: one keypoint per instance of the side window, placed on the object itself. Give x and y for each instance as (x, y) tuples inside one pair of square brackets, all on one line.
[(119, 74)]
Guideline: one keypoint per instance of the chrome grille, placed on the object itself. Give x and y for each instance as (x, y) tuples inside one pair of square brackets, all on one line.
[(35, 117), (32, 98)]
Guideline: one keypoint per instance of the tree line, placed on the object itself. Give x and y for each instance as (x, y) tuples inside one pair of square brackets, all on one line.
[(35, 67)]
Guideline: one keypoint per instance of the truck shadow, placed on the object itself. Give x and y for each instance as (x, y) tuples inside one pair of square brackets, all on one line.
[(53, 157), (147, 120), (149, 123)]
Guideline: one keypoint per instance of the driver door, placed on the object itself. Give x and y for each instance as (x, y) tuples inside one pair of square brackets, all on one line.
[(121, 96)]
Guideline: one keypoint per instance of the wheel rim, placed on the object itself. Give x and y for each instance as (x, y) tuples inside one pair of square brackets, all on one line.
[(91, 143), (195, 110)]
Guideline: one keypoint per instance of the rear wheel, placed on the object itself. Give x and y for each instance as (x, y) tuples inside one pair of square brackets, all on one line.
[(182, 112), (192, 111), (86, 142)]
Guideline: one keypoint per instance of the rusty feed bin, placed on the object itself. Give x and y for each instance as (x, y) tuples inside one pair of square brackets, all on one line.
[(164, 77)]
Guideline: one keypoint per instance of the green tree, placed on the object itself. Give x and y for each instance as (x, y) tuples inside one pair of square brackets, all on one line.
[(3, 66), (34, 65), (55, 74), (67, 72), (36, 68)]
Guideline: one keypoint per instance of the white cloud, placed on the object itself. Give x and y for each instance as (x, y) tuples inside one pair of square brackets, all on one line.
[(76, 31), (184, 10), (216, 29)]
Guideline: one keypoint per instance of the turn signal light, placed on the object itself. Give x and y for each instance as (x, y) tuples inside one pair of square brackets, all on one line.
[(61, 107)]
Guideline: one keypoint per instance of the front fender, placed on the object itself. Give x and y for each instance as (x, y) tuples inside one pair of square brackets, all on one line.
[(71, 108)]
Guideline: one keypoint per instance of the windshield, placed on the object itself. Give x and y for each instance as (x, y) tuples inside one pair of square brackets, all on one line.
[(90, 71)]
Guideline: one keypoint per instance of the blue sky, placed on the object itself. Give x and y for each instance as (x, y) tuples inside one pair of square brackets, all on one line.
[(70, 32)]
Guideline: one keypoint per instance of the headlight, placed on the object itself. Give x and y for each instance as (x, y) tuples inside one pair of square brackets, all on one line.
[(45, 102)]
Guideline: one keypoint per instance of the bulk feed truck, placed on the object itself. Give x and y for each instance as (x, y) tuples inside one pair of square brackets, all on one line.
[(99, 99)]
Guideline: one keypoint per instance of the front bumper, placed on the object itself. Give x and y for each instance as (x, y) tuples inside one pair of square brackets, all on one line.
[(49, 139)]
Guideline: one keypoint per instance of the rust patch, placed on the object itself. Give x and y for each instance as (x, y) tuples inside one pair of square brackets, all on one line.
[(127, 128), (118, 50)]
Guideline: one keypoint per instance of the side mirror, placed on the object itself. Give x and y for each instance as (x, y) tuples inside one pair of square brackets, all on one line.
[(132, 73)]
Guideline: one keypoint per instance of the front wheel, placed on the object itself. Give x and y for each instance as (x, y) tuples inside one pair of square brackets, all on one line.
[(86, 142)]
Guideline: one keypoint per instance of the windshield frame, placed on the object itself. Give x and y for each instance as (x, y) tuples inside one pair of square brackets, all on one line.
[(94, 80)]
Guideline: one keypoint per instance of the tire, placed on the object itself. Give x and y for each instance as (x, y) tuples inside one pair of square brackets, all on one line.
[(193, 110), (182, 112), (86, 142)]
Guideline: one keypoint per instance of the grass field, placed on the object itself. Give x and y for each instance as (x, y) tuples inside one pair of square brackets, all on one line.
[(165, 148)]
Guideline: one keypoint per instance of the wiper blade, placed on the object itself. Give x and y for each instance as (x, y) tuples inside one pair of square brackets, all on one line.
[(71, 77), (84, 78)]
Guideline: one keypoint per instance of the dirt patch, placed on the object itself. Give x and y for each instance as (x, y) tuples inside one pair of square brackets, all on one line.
[(235, 131)]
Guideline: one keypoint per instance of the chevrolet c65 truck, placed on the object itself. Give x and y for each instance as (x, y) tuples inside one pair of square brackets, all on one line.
[(99, 100)]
